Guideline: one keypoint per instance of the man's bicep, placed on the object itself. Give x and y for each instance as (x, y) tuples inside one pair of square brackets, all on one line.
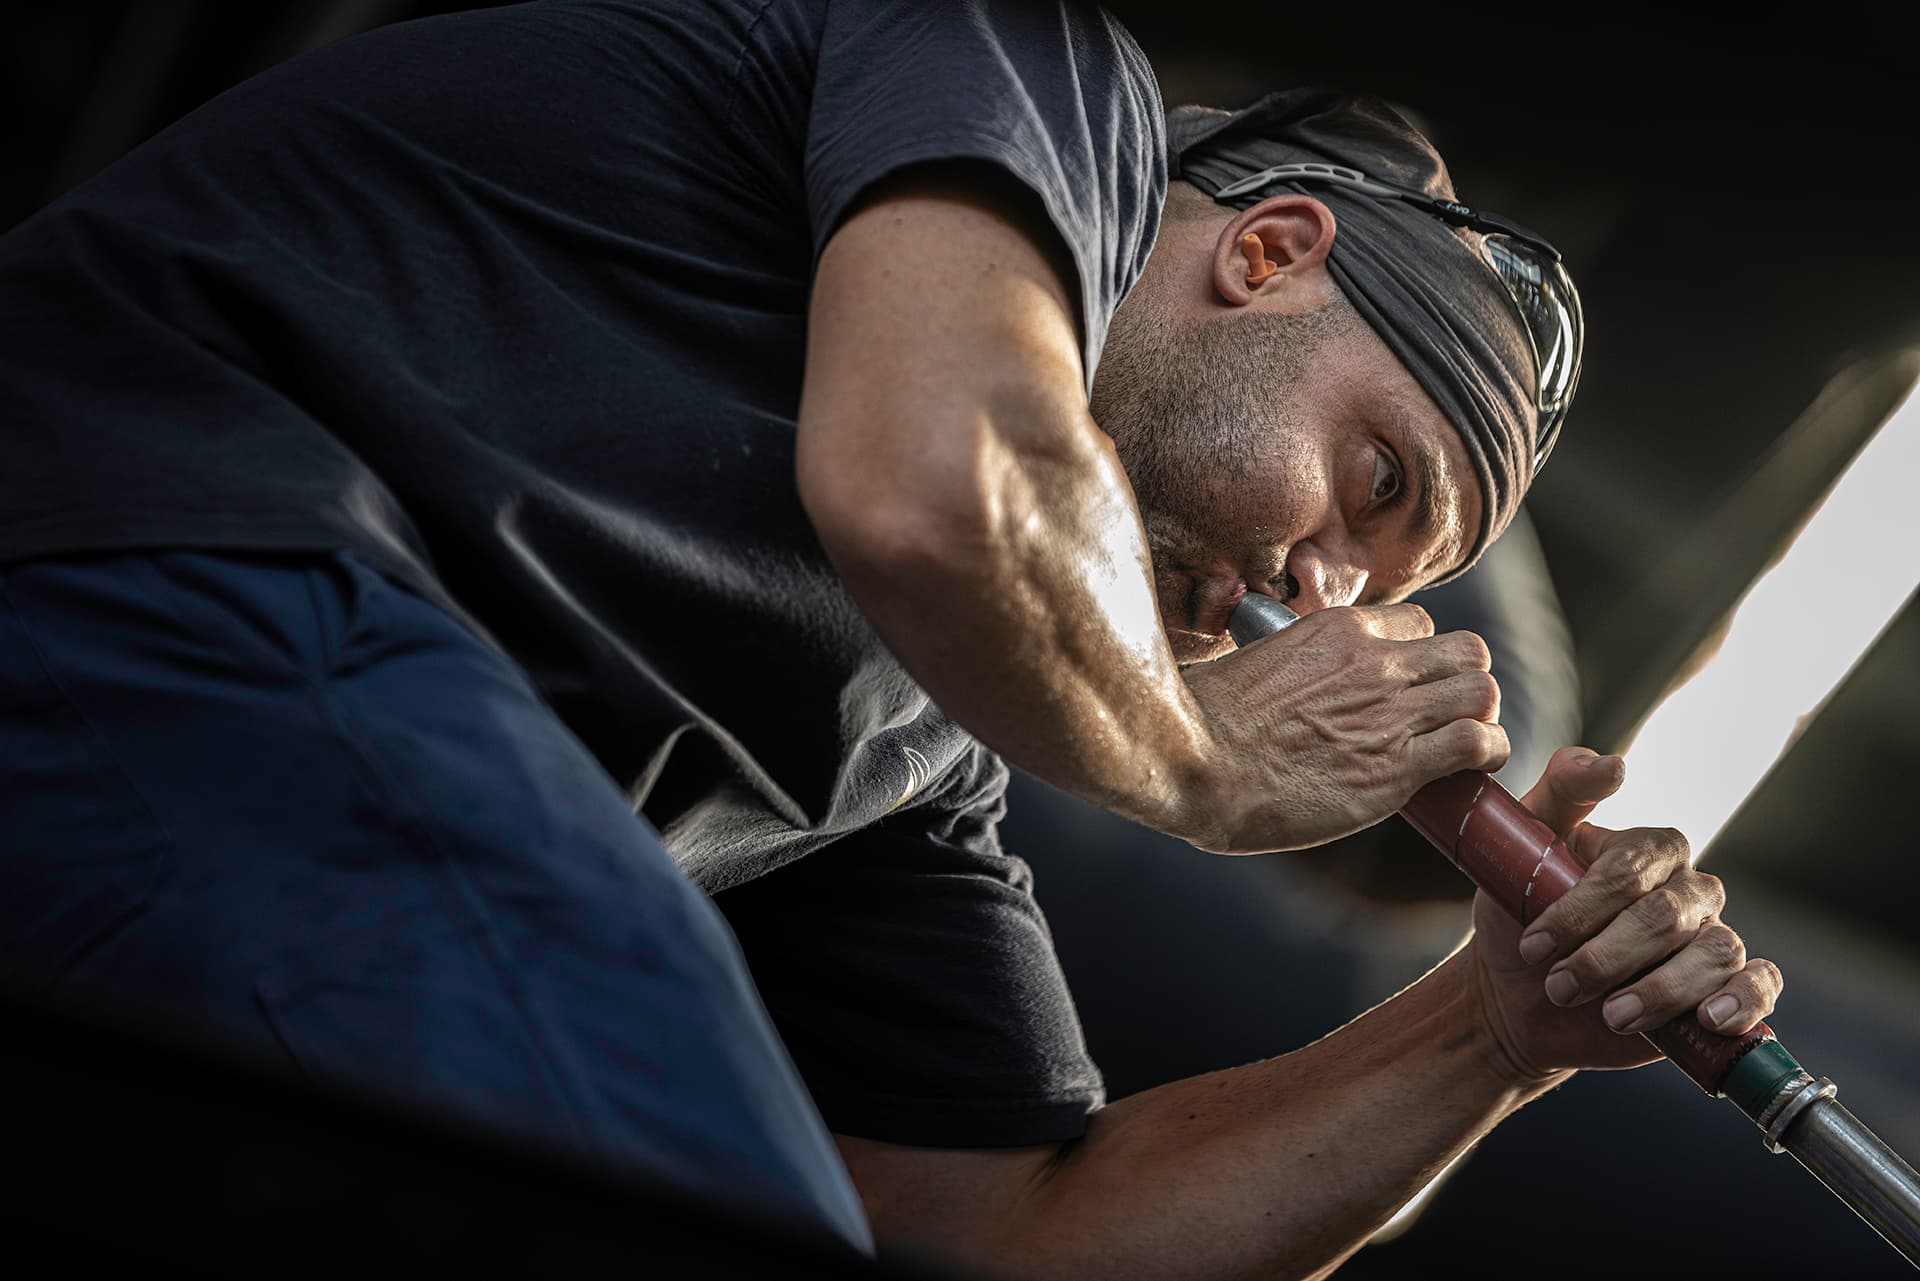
[(941, 337)]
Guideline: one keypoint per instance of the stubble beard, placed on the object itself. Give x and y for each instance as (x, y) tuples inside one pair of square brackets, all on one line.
[(1198, 412)]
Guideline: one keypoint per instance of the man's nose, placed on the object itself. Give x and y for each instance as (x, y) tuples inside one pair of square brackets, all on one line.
[(1324, 583)]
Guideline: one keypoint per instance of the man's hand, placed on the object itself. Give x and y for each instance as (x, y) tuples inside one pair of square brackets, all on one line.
[(1636, 943), (1331, 725)]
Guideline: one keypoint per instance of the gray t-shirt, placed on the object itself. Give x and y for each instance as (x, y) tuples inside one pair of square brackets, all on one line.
[(512, 304)]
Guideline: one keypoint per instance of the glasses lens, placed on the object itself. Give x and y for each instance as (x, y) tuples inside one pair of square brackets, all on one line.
[(1549, 308)]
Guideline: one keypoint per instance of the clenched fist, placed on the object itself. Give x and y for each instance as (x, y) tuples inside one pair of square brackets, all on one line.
[(1329, 726)]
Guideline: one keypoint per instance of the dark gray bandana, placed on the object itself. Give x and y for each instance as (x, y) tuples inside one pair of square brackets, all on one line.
[(1418, 282)]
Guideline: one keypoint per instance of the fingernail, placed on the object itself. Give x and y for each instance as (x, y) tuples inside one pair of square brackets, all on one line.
[(1721, 1009), (1562, 987), (1536, 947), (1622, 1010)]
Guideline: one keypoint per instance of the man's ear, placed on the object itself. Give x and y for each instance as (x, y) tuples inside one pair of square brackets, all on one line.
[(1279, 244)]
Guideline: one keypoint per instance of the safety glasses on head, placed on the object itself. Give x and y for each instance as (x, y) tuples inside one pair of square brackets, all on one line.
[(1529, 268)]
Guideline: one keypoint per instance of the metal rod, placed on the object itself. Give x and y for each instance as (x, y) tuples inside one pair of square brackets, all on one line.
[(1859, 1169), (1524, 866)]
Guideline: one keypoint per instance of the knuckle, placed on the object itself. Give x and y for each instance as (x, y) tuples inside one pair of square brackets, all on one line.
[(1421, 619), (1593, 916), (1443, 750), (1674, 843), (1592, 965), (1601, 969), (1564, 757), (1722, 945), (1767, 975), (1498, 745), (1568, 918), (1597, 845), (1473, 650), (1484, 692), (1665, 910), (1473, 743), (1627, 871), (1656, 992), (1652, 868)]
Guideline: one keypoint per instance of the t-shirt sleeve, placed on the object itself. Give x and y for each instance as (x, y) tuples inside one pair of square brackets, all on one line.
[(912, 976), (1057, 95)]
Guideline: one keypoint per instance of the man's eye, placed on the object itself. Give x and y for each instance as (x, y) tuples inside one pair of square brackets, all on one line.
[(1386, 481)]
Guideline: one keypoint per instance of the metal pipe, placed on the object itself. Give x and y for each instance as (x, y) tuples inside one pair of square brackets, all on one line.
[(1859, 1169), (1524, 866)]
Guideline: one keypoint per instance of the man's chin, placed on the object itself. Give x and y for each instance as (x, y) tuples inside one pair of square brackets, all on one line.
[(1197, 647)]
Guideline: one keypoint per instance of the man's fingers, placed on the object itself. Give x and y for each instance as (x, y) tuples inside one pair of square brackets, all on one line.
[(1394, 622), (1575, 781), (1438, 658), (1744, 1000), (1660, 925), (1470, 695), (1622, 869), (1713, 965), (1458, 745)]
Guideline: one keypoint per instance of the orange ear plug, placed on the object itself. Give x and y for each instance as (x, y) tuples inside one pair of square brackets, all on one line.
[(1258, 267)]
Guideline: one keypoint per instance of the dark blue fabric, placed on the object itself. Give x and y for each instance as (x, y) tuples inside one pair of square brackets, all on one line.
[(281, 796)]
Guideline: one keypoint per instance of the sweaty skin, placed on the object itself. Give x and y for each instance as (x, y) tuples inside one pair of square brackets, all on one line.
[(987, 526)]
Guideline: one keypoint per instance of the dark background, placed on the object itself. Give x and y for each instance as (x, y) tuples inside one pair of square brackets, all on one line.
[(1736, 203)]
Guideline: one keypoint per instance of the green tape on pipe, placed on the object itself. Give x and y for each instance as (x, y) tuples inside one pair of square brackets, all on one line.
[(1757, 1075)]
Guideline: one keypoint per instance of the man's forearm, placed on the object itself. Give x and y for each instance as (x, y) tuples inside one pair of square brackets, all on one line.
[(977, 513), (1277, 1169), (1033, 625)]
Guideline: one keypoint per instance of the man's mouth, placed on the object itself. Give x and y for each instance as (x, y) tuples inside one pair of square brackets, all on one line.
[(1211, 602)]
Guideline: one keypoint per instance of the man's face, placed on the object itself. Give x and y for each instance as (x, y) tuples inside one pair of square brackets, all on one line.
[(1289, 453)]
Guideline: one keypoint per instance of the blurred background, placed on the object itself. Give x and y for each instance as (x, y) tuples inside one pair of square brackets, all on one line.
[(1732, 201)]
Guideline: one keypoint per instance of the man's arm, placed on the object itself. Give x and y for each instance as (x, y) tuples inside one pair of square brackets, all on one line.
[(1283, 1168), (1277, 1169), (982, 521)]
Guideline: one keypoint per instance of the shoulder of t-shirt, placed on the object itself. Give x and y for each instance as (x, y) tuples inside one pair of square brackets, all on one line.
[(1058, 97)]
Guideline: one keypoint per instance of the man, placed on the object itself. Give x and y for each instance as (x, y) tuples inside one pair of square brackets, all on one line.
[(443, 447)]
